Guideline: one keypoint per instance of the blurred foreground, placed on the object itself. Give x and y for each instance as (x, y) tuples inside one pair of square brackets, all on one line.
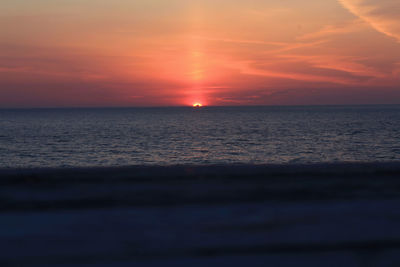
[(304, 215)]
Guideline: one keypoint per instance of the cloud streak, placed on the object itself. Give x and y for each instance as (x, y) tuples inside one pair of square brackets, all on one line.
[(382, 15), (334, 30)]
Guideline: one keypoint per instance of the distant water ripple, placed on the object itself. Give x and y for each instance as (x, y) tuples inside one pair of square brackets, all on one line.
[(211, 135)]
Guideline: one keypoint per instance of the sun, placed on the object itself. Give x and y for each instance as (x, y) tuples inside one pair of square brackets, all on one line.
[(197, 105)]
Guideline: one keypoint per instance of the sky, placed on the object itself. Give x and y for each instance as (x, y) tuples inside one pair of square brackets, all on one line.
[(94, 53)]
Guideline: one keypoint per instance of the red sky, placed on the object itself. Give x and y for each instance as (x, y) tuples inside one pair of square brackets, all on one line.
[(178, 52)]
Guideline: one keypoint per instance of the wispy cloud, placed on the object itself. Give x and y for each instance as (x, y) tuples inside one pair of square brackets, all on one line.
[(268, 46), (348, 64), (332, 30), (239, 41), (382, 15), (247, 68)]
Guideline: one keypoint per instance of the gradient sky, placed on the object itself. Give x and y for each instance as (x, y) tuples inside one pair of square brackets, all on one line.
[(58, 53)]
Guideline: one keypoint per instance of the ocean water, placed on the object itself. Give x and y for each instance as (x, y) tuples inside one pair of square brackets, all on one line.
[(203, 136)]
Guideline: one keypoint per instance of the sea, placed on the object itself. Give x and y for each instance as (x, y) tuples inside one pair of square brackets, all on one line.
[(107, 137), (213, 186)]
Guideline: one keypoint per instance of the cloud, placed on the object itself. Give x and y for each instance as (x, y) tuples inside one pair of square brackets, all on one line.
[(239, 41), (332, 30), (248, 69), (382, 15), (347, 64)]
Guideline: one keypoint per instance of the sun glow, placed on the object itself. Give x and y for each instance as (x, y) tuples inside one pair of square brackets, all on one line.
[(197, 105)]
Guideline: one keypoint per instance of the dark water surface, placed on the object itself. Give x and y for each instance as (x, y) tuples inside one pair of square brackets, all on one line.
[(211, 135), (218, 207)]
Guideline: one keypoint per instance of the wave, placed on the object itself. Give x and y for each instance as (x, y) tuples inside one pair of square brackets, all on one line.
[(204, 171), (160, 186)]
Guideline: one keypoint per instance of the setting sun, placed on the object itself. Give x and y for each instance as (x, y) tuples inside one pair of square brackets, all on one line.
[(197, 105)]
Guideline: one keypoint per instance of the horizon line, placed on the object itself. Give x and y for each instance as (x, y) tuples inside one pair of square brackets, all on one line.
[(191, 107)]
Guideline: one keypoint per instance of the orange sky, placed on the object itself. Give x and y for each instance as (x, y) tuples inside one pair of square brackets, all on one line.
[(178, 52)]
